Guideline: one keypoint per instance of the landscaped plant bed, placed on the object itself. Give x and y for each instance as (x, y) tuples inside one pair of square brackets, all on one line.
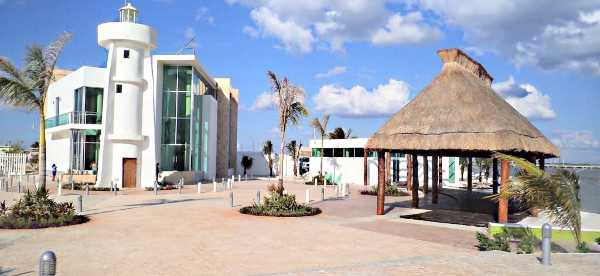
[(519, 240), (36, 210), (162, 188), (389, 191), (280, 205), (81, 187)]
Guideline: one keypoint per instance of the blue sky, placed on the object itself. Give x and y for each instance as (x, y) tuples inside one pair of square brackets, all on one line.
[(543, 55)]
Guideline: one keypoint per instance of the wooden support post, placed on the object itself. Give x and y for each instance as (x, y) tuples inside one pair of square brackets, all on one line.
[(542, 164), (470, 174), (494, 176), (415, 182), (503, 203), (425, 174), (366, 168), (440, 172), (388, 171), (434, 179), (380, 182), (409, 173)]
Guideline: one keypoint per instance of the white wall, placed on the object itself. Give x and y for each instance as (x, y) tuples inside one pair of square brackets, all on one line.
[(259, 164), (209, 115), (58, 150)]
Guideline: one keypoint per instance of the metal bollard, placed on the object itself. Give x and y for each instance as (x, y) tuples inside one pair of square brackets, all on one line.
[(214, 186), (231, 199), (546, 243), (115, 189), (155, 188), (79, 204), (48, 264), (19, 184), (246, 177), (325, 183), (199, 187), (258, 197), (322, 194), (231, 183), (348, 190), (239, 178), (307, 196), (87, 189)]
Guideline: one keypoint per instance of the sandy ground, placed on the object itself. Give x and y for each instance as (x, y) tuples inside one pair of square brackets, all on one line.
[(136, 233)]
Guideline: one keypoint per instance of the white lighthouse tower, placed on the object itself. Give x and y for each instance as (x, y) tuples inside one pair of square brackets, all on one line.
[(126, 143)]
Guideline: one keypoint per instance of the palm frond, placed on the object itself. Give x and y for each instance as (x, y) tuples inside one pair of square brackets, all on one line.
[(52, 52), (557, 193)]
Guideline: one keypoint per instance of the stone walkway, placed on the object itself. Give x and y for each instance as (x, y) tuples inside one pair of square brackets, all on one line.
[(198, 234)]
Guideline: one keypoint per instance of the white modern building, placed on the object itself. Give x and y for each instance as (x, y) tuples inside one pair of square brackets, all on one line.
[(343, 162), (141, 111)]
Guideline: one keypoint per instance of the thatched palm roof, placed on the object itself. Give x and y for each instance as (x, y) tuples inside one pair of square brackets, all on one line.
[(459, 113)]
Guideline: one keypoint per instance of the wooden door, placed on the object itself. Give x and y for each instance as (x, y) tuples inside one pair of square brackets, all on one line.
[(129, 172)]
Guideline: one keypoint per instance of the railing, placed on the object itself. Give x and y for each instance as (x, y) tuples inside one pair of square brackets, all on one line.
[(12, 163), (75, 117)]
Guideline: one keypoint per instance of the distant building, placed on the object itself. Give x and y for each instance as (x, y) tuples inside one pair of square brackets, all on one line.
[(343, 162), (142, 109)]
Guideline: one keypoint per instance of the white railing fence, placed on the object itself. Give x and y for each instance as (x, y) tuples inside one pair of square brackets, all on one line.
[(19, 183), (12, 163)]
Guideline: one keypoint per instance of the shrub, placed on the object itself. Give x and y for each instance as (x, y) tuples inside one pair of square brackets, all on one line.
[(280, 205), (598, 240), (318, 178), (500, 241), (582, 248), (36, 210)]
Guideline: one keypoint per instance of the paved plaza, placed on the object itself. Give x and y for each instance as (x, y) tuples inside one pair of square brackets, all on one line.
[(136, 233)]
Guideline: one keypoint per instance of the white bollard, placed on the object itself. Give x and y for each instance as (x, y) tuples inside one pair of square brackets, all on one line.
[(315, 182), (214, 186), (231, 185), (239, 178), (59, 187), (199, 187), (307, 196)]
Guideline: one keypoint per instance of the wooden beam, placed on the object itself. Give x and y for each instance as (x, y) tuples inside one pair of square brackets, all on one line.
[(380, 182), (494, 176), (440, 172), (409, 173), (434, 179), (470, 174), (503, 203), (425, 174), (388, 165), (415, 181), (366, 168)]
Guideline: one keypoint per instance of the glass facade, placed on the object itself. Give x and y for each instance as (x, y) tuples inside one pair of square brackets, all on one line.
[(184, 134), (340, 152), (85, 145), (87, 108)]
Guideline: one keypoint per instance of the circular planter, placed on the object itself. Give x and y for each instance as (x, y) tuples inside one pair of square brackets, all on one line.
[(304, 212), (76, 220)]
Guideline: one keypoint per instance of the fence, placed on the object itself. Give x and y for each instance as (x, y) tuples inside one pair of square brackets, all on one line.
[(19, 183), (12, 163)]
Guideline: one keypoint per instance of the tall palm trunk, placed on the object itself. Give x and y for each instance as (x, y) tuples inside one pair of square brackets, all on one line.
[(281, 156), (42, 150)]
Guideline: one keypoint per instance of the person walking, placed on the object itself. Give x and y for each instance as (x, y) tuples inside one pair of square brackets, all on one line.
[(54, 169)]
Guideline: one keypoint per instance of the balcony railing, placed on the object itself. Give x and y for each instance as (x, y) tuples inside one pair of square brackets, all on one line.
[(75, 117)]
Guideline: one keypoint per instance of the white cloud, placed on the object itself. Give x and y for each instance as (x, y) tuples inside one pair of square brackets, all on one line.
[(252, 32), (359, 102), (337, 70), (202, 14), (263, 101), (294, 37), (547, 34), (526, 99), (299, 25), (405, 29), (576, 140)]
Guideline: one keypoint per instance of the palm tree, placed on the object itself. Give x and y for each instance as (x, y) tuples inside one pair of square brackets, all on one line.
[(291, 110), (556, 193), (246, 163), (268, 152), (28, 87), (321, 127), (340, 133), (293, 150)]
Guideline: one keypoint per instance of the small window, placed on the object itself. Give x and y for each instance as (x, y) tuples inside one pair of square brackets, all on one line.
[(327, 152), (349, 152), (119, 88), (359, 152), (338, 152), (316, 152), (126, 54)]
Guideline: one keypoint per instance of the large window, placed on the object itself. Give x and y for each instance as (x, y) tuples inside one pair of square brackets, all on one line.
[(176, 118), (85, 146)]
